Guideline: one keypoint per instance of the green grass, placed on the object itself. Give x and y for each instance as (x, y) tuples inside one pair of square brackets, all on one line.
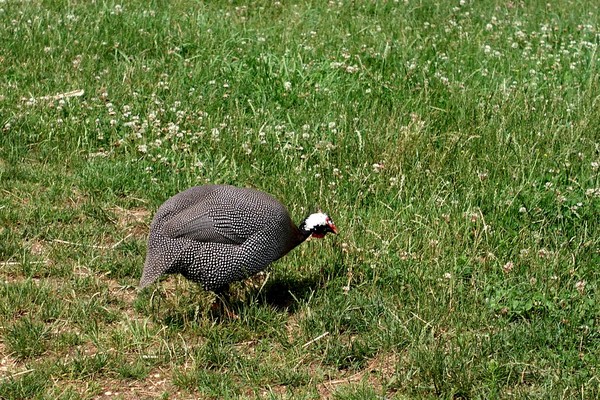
[(455, 145)]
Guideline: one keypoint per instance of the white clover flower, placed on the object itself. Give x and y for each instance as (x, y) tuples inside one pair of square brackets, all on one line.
[(595, 192), (533, 281), (508, 267), (287, 86), (377, 167)]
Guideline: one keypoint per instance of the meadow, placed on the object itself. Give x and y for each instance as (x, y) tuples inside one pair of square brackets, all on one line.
[(455, 144)]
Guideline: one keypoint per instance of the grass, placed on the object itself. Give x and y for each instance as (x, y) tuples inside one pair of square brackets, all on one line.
[(455, 145)]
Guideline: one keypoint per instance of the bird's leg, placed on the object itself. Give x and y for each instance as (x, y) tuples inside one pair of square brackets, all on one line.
[(221, 304)]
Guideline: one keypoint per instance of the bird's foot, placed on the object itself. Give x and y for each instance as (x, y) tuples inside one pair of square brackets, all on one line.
[(221, 306)]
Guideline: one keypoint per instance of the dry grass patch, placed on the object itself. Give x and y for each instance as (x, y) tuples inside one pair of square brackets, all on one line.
[(156, 384), (379, 370), (76, 199), (133, 222), (9, 366)]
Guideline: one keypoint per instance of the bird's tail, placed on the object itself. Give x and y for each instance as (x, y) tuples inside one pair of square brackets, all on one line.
[(152, 271), (148, 277)]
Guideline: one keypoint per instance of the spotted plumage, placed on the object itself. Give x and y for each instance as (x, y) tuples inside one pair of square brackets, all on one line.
[(218, 234)]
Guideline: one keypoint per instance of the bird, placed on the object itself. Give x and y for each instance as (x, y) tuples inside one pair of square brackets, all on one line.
[(219, 234)]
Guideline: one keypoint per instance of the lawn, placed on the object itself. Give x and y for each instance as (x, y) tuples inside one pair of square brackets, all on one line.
[(455, 144)]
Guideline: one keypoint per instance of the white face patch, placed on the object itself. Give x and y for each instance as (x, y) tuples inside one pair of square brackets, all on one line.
[(317, 219)]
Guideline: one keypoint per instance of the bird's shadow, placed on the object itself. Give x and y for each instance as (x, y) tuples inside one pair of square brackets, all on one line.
[(284, 294)]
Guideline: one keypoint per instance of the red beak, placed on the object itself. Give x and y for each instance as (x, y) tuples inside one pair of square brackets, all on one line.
[(333, 228)]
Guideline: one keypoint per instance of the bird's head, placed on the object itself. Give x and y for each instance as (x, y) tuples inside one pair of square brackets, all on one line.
[(318, 225)]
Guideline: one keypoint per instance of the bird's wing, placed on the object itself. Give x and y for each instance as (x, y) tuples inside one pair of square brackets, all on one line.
[(214, 226)]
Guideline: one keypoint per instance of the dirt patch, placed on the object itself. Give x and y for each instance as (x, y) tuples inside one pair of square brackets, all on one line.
[(292, 327), (76, 199), (379, 369), (134, 222), (124, 294), (9, 366), (152, 387), (383, 365), (37, 248)]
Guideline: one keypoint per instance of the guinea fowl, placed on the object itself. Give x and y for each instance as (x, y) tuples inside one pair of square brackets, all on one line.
[(219, 234)]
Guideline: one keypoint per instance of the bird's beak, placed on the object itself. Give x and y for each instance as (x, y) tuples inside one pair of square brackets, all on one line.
[(332, 227)]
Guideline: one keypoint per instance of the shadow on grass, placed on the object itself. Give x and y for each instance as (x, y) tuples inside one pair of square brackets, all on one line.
[(282, 295), (279, 294), (286, 294)]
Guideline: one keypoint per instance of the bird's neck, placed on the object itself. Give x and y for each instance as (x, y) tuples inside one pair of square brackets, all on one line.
[(299, 235), (302, 231)]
